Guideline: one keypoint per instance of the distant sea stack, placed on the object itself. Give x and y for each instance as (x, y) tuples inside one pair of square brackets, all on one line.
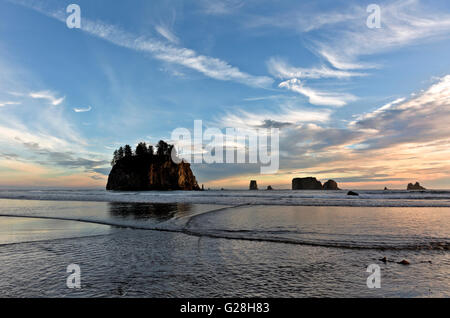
[(330, 185), (415, 186), (253, 185), (145, 170), (311, 183)]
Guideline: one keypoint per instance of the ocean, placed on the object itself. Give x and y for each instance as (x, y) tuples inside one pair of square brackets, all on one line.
[(224, 243)]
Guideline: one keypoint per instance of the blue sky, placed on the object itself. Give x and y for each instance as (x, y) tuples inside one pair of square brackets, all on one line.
[(367, 107)]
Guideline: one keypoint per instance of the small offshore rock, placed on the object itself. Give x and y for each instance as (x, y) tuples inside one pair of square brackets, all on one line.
[(353, 193), (413, 187), (404, 262)]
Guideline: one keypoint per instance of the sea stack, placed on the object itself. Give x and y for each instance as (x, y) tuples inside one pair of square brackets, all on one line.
[(330, 185), (309, 183), (416, 186), (253, 185), (144, 170), (269, 188)]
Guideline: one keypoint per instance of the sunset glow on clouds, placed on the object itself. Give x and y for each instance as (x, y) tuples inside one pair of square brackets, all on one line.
[(390, 146), (368, 108)]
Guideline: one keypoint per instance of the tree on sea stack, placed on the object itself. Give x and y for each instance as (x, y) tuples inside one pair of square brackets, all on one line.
[(141, 149), (163, 149), (127, 151), (118, 155), (114, 160)]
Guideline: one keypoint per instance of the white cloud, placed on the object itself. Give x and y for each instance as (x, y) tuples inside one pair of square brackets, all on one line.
[(286, 115), (3, 104), (342, 62), (281, 69), (318, 97), (424, 117), (167, 34), (379, 110), (47, 95), (82, 109)]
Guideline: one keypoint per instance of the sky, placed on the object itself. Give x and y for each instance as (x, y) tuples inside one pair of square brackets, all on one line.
[(367, 107)]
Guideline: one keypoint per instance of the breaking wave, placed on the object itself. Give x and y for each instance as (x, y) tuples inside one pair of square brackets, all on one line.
[(429, 198)]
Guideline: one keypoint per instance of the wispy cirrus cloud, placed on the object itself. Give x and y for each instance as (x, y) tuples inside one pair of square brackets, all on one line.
[(404, 22), (8, 103), (49, 96), (342, 61), (167, 34), (209, 66), (283, 70), (318, 97), (345, 40), (286, 115), (82, 109)]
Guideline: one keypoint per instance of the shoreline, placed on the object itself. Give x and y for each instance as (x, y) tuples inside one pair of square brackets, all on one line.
[(250, 201)]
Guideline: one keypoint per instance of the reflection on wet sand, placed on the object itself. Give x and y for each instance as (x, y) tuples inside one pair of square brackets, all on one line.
[(149, 211)]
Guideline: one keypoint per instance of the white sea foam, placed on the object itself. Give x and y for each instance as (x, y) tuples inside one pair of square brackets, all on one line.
[(236, 197)]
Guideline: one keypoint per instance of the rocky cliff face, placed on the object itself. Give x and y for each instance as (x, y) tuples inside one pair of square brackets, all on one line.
[(415, 186), (134, 175)]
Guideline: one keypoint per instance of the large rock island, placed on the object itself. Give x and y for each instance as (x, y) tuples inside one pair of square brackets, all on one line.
[(145, 170), (414, 187), (311, 183)]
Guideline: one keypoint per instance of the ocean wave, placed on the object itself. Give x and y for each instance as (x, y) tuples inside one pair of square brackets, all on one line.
[(369, 198)]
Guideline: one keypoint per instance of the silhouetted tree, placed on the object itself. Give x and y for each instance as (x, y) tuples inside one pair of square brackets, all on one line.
[(163, 149), (141, 150), (127, 151), (114, 160), (120, 154), (144, 155)]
